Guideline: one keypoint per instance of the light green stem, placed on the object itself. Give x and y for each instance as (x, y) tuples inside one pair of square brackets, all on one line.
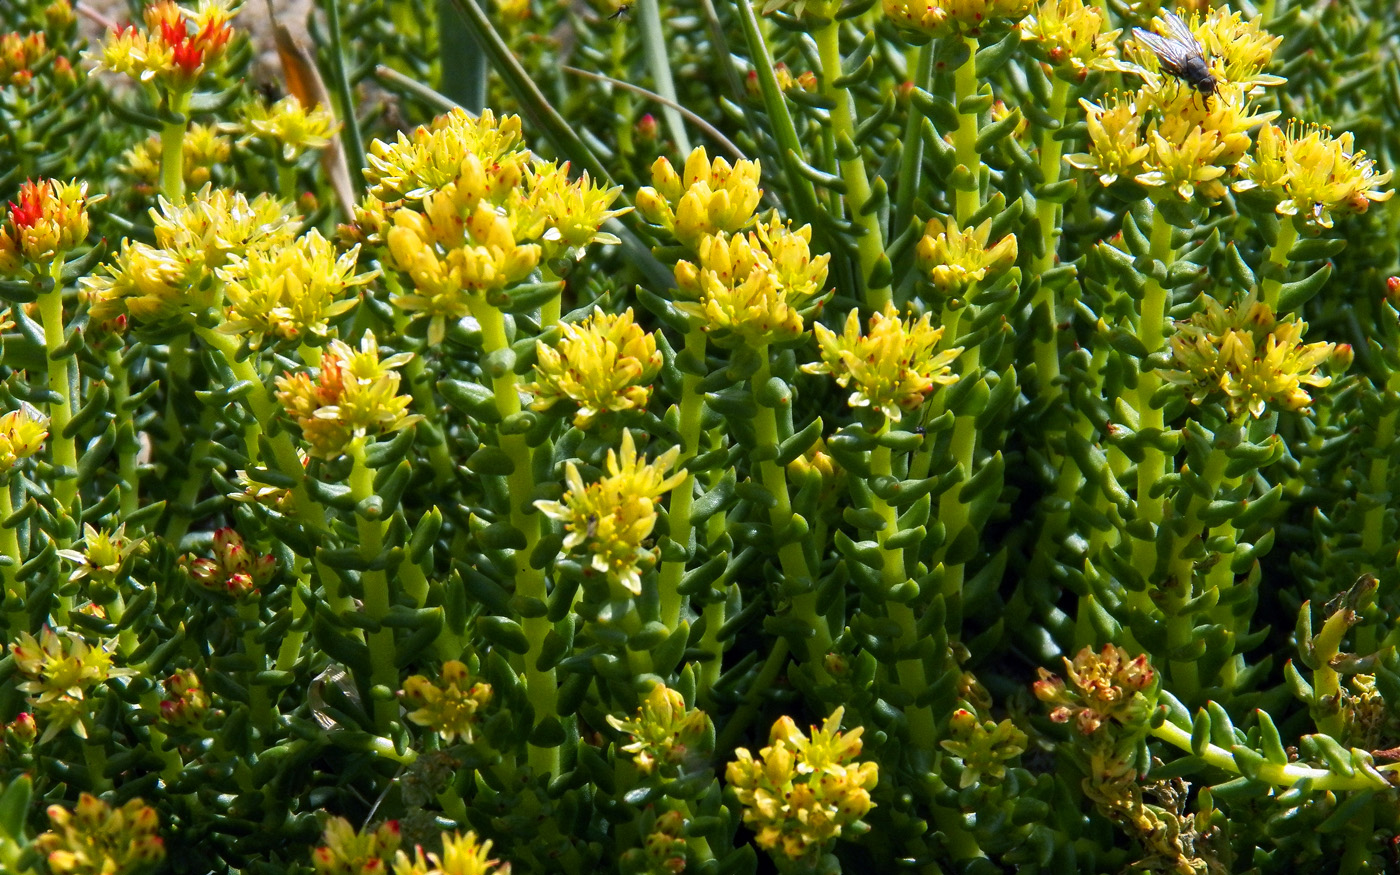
[(16, 620), (683, 496), (1278, 774), (63, 380), (127, 446), (1047, 343), (540, 684), (172, 149), (259, 704), (1270, 288), (382, 650), (968, 189), (871, 243)]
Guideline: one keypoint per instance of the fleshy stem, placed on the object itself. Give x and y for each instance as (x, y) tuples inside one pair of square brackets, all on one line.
[(912, 156), (683, 496), (870, 245), (1278, 774), (1377, 485), (968, 188), (382, 651), (910, 669), (63, 379), (259, 704), (172, 148), (790, 555), (1047, 344), (1327, 682), (1278, 261), (1151, 331), (127, 446), (17, 620), (540, 683), (952, 511)]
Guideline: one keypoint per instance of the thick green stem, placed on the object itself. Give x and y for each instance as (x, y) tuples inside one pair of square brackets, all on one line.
[(540, 684), (683, 496), (1278, 261), (172, 149), (911, 170), (871, 243), (259, 704), (382, 650), (1151, 331), (17, 620), (127, 446), (1047, 342), (791, 555), (952, 510), (63, 383), (1278, 774), (967, 175)]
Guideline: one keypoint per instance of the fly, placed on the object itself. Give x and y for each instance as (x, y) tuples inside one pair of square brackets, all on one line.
[(1180, 54)]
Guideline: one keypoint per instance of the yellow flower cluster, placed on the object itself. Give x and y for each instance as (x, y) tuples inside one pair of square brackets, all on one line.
[(891, 369), (47, 221), (355, 395), (943, 18), (613, 517), (665, 732), (750, 289), (60, 668), (22, 434), (234, 571), (1071, 36), (1169, 137), (461, 855), (1248, 357), (712, 197), (97, 839), (290, 293), (346, 852), (176, 278), (803, 792), (956, 258), (176, 47), (983, 746), (1312, 173), (606, 364), (467, 212), (203, 149), (452, 705), (291, 127)]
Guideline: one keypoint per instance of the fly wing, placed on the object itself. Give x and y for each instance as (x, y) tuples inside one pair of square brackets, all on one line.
[(1171, 53), (1177, 29)]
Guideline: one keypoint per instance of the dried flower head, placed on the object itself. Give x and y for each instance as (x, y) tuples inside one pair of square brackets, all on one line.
[(1105, 686)]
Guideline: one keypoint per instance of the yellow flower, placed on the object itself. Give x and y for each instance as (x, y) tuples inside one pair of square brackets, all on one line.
[(1313, 174), (347, 852), (1116, 148), (983, 747), (291, 126), (1239, 50), (433, 155), (1187, 167), (942, 18), (569, 215), (450, 706), (1245, 354), (804, 792), (105, 554), (665, 732), (47, 222), (456, 247), (61, 668), (1071, 36), (612, 518), (97, 839), (891, 369), (145, 283), (290, 293), (19, 53), (355, 395), (605, 364), (22, 434), (957, 258), (750, 289), (175, 48), (713, 197), (461, 855), (208, 229)]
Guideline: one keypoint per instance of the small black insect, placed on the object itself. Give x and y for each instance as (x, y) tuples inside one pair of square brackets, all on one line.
[(621, 12), (1180, 54)]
